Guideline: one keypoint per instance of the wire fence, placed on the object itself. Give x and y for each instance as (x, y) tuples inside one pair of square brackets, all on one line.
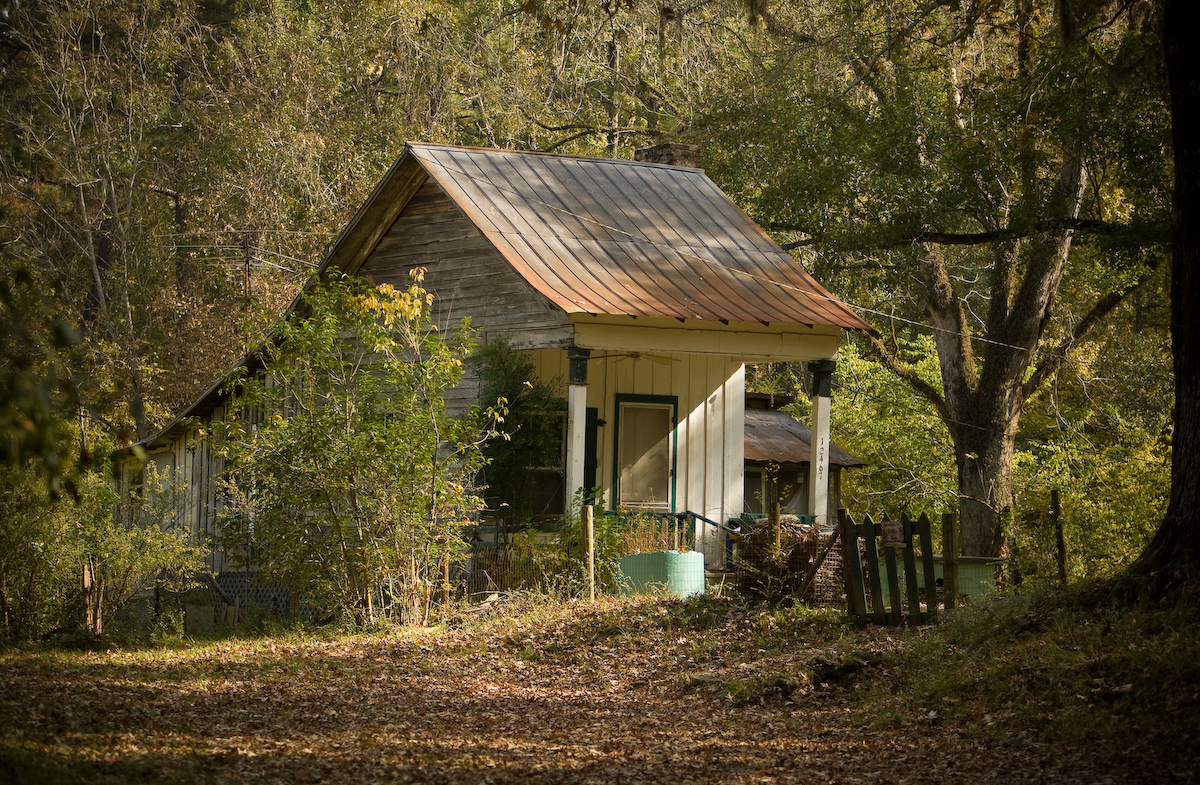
[(775, 573)]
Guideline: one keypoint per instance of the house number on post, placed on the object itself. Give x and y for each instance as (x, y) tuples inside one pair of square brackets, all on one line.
[(893, 534)]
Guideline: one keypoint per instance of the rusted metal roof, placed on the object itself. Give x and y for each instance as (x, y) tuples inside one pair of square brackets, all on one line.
[(772, 435), (601, 236)]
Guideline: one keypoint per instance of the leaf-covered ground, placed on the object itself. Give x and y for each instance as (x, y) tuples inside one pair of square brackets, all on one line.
[(624, 691)]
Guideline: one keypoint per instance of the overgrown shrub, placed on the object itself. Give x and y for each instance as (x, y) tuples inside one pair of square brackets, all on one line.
[(348, 480), (125, 546), (39, 558), (529, 431)]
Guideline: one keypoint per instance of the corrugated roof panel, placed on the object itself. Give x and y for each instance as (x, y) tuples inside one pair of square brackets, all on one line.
[(548, 274), (724, 266), (757, 238), (609, 277), (655, 230), (520, 190), (605, 219), (550, 190), (776, 272), (671, 278), (653, 283), (772, 435), (626, 238), (702, 219), (741, 288)]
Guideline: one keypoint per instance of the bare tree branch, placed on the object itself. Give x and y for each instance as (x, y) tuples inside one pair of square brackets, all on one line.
[(908, 374), (1054, 360), (952, 334), (1090, 225)]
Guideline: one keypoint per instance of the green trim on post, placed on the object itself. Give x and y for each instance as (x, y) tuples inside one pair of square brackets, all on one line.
[(577, 365), (620, 398), (591, 440)]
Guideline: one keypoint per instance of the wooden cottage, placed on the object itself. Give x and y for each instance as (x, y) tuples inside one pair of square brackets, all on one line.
[(641, 284)]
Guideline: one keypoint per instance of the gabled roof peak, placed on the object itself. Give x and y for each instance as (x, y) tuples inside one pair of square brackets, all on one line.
[(540, 154)]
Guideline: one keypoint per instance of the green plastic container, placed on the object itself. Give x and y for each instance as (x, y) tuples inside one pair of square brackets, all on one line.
[(976, 576), (670, 572)]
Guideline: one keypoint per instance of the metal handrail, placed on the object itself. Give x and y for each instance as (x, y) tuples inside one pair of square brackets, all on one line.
[(696, 515)]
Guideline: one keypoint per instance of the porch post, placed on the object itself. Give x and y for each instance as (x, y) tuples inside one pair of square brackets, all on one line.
[(818, 460), (576, 420)]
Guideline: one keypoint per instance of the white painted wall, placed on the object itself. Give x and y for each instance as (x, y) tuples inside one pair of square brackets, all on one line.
[(709, 433)]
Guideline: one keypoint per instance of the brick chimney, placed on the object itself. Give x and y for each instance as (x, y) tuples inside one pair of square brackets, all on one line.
[(671, 154)]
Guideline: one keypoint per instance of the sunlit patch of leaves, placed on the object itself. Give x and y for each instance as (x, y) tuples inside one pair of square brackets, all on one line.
[(703, 690)]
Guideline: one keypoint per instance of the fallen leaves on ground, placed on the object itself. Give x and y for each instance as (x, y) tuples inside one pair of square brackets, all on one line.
[(624, 691)]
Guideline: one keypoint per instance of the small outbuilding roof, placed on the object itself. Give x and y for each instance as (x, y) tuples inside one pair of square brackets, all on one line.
[(774, 435)]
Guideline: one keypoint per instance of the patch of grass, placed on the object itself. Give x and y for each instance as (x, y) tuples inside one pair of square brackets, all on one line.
[(18, 763), (1050, 669)]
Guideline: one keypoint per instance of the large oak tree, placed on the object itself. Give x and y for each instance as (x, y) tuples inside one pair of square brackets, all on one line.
[(1172, 557), (947, 165)]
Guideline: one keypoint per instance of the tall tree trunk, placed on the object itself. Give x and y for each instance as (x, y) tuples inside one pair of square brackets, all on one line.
[(983, 400), (983, 457), (1172, 557)]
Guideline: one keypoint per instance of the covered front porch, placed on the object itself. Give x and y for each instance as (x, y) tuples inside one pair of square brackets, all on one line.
[(656, 416)]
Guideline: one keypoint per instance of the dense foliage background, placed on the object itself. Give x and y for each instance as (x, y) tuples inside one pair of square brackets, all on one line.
[(988, 182)]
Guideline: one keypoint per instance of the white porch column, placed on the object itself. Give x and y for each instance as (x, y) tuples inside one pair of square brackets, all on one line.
[(576, 420), (818, 462)]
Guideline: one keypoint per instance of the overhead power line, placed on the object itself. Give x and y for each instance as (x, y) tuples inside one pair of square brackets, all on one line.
[(713, 263)]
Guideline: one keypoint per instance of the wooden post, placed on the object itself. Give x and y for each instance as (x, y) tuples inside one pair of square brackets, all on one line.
[(773, 507), (949, 560), (589, 534), (776, 530), (1056, 516), (577, 392), (446, 581), (818, 463)]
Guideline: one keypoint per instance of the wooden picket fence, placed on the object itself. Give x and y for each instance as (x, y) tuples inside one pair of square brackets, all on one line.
[(874, 592)]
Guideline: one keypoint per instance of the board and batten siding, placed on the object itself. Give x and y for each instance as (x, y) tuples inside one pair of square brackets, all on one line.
[(196, 473), (709, 432), (467, 276)]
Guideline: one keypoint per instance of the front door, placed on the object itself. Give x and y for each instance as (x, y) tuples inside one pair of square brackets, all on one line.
[(645, 452)]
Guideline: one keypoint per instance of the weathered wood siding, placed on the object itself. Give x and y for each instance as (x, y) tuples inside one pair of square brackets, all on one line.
[(709, 457), (197, 472), (467, 276)]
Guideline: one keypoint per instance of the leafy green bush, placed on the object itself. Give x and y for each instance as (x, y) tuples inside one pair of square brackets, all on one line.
[(134, 544), (39, 558), (348, 480), (125, 546), (529, 429)]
